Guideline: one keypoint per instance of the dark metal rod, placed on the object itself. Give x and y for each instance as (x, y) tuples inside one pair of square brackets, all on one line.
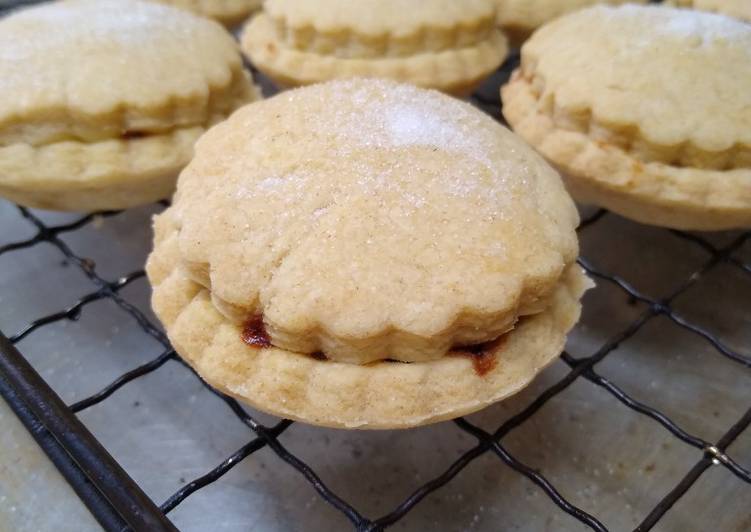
[(99, 507), (676, 493), (91, 458), (693, 475)]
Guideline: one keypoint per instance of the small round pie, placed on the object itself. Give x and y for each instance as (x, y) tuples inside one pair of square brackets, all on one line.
[(647, 113), (228, 12), (735, 8), (519, 18), (366, 254), (443, 44), (104, 99)]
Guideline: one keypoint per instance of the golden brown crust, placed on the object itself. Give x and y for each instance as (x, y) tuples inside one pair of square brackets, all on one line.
[(654, 148), (398, 204), (380, 28), (396, 18), (97, 69), (228, 12), (453, 57), (320, 236), (111, 174), (375, 396), (652, 193), (519, 18), (104, 100), (735, 8)]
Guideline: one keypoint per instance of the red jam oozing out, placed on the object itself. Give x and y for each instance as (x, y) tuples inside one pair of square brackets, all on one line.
[(484, 357), (254, 332), (132, 135), (255, 335)]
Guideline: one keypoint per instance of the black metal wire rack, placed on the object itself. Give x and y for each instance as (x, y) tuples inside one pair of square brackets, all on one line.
[(119, 503)]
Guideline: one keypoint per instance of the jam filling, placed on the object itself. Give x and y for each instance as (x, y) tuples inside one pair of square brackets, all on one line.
[(318, 355), (255, 335), (132, 135), (254, 332), (483, 356)]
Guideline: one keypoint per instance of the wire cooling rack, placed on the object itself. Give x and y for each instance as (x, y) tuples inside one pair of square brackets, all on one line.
[(118, 502)]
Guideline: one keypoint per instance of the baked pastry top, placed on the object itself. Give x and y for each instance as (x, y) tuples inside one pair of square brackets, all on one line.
[(435, 43), (97, 91), (228, 12), (735, 8), (519, 18), (357, 223), (91, 70), (402, 209), (650, 100)]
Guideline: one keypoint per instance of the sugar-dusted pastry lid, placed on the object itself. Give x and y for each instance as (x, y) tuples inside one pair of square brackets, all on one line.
[(671, 85), (228, 12), (648, 114), (375, 396), (369, 220), (92, 70), (519, 18), (433, 43), (735, 8)]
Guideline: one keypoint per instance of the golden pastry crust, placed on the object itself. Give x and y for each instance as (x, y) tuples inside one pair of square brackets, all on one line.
[(228, 12), (322, 235), (398, 204), (95, 69), (405, 21), (91, 84), (630, 112), (519, 18), (104, 175), (110, 174), (382, 395), (435, 43), (735, 8)]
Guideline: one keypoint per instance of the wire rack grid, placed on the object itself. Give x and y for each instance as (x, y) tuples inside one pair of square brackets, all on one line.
[(120, 504)]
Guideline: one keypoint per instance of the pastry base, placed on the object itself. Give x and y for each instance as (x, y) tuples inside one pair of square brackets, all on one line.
[(381, 395), (106, 175)]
